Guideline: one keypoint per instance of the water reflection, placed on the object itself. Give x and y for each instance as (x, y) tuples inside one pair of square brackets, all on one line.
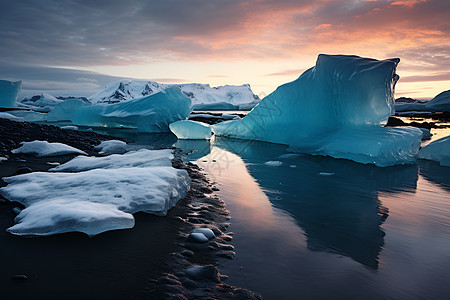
[(435, 173), (196, 148), (339, 213)]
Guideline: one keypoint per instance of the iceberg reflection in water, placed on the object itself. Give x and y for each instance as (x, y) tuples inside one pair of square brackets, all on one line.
[(298, 222)]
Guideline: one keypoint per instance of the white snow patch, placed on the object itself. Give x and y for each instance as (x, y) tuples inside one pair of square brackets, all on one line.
[(142, 158), (273, 163), (3, 158), (112, 147), (44, 148)]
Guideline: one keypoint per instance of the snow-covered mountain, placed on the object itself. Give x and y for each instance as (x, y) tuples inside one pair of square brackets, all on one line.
[(203, 96)]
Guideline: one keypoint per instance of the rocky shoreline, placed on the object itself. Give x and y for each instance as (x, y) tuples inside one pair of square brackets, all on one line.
[(181, 268)]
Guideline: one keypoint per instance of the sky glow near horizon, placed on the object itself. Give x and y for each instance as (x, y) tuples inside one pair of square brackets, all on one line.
[(75, 47)]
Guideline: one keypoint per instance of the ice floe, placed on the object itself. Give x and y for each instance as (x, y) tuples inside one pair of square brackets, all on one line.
[(191, 130), (438, 150), (336, 109), (101, 196), (44, 148), (112, 147)]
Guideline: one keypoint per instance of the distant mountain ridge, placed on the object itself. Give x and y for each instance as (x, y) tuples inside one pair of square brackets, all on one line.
[(203, 96)]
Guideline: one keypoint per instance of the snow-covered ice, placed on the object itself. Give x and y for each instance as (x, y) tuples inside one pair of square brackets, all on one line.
[(3, 159), (8, 93), (273, 163), (439, 103), (191, 130), (334, 109), (112, 147), (203, 96), (438, 150), (151, 113), (99, 199), (4, 115), (66, 215), (69, 127), (142, 158), (44, 148)]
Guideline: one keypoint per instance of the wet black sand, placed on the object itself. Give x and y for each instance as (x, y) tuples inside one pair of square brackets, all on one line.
[(145, 262)]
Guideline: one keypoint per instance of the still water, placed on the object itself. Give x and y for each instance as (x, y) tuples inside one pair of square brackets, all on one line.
[(322, 228)]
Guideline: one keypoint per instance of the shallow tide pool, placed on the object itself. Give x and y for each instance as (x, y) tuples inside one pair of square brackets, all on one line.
[(323, 228)]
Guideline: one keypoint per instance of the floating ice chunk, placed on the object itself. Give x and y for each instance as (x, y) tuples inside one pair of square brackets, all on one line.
[(191, 130), (44, 148), (152, 113), (208, 233), (8, 93), (426, 133), (134, 159), (326, 174), (273, 163), (69, 127), (438, 150), (439, 103), (96, 200), (11, 117), (112, 147), (154, 190), (67, 215), (328, 109)]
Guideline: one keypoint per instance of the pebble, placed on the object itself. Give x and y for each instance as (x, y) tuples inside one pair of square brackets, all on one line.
[(208, 272), (197, 237), (20, 277), (206, 232)]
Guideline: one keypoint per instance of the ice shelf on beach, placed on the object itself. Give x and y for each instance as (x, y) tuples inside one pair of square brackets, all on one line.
[(44, 148), (11, 117), (334, 108), (151, 113), (102, 195), (8, 93), (438, 150), (112, 147), (203, 96), (191, 130), (439, 103)]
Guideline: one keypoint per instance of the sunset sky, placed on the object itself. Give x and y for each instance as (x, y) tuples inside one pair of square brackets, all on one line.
[(75, 47)]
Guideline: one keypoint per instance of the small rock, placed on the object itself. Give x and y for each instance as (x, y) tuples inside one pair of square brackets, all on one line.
[(23, 170), (206, 232), (20, 277), (187, 253), (197, 237), (208, 272)]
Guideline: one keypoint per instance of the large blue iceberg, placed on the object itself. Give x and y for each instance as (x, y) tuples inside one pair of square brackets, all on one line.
[(8, 93), (336, 108), (152, 113)]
